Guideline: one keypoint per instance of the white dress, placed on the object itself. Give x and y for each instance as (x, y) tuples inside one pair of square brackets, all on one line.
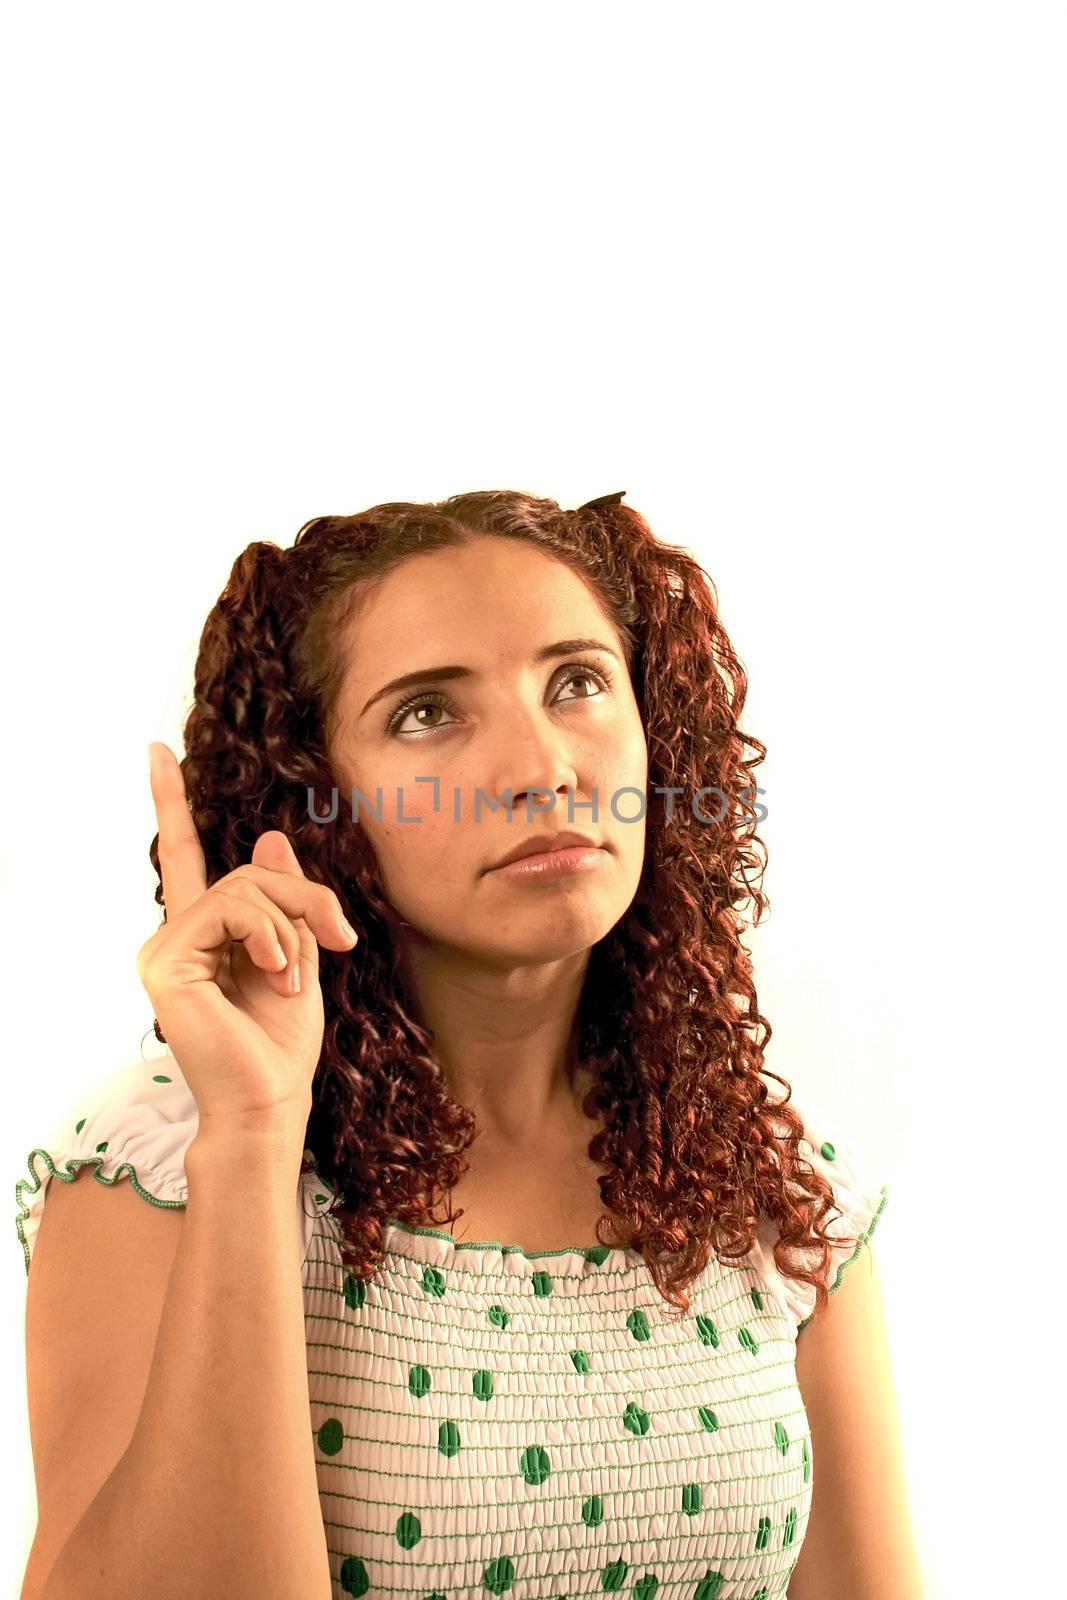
[(489, 1422)]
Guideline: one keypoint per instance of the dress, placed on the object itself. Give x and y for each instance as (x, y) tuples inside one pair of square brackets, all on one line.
[(491, 1422)]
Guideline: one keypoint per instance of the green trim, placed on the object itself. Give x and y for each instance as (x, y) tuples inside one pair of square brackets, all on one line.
[(592, 1252), (863, 1239), (76, 1162), (596, 1253)]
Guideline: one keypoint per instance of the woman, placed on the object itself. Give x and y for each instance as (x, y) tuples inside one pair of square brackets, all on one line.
[(560, 1240)]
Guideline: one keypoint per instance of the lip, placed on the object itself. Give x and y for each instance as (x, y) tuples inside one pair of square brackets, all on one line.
[(549, 865), (545, 844)]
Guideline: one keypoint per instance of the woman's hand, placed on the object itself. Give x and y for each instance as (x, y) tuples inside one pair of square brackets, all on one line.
[(246, 1038)]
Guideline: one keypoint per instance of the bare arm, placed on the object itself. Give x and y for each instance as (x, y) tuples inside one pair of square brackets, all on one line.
[(217, 1493), (859, 1543)]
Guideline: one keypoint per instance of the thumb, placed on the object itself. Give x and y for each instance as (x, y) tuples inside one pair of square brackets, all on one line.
[(273, 849)]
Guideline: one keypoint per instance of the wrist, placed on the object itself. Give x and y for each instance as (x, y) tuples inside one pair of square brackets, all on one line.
[(275, 1136)]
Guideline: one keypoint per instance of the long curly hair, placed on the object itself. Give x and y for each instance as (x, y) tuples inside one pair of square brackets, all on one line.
[(695, 1150)]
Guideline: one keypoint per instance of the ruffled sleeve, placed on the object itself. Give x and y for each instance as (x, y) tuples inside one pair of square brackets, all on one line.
[(137, 1125), (859, 1200)]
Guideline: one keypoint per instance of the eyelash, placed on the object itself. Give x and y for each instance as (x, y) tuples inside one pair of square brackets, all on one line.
[(577, 669)]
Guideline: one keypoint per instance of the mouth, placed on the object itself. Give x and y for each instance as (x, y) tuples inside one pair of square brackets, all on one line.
[(546, 844)]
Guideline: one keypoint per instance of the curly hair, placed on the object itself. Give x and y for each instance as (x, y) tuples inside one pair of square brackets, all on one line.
[(696, 1152)]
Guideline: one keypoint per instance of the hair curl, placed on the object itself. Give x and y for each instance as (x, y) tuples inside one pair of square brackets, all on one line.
[(695, 1150)]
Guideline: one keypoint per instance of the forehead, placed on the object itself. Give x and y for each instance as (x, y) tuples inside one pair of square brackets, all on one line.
[(490, 599)]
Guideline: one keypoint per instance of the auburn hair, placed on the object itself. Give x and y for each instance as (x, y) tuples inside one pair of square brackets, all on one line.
[(695, 1150)]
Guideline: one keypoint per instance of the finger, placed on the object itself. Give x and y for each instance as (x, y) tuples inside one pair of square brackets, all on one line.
[(181, 858), (280, 956), (276, 947), (297, 896), (187, 953), (274, 850)]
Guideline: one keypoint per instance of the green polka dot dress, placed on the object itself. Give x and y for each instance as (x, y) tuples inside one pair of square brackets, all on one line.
[(488, 1422)]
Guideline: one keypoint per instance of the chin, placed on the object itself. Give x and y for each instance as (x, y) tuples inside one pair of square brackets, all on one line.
[(556, 934)]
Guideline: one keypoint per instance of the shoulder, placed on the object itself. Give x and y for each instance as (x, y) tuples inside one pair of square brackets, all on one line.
[(134, 1125), (860, 1196)]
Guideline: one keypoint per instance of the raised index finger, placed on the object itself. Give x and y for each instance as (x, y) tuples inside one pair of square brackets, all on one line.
[(181, 856)]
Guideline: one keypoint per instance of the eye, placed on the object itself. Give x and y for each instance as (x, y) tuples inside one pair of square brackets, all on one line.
[(574, 673), (432, 702), (580, 671)]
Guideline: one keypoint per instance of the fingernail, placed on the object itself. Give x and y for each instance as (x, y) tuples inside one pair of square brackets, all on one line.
[(348, 930)]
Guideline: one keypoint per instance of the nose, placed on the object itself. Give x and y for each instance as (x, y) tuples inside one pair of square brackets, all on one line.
[(532, 763)]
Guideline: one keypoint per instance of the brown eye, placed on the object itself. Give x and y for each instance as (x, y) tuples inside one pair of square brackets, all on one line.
[(576, 677), (432, 702), (597, 675)]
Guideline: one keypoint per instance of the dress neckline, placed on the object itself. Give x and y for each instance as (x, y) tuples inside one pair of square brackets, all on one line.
[(592, 1252)]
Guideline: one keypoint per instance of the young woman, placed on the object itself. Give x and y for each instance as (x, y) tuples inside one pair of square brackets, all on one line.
[(534, 1324)]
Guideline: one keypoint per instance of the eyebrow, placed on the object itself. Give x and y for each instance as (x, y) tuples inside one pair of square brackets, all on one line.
[(565, 647)]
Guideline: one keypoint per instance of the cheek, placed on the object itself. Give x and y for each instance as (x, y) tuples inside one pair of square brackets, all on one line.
[(620, 780), (419, 850)]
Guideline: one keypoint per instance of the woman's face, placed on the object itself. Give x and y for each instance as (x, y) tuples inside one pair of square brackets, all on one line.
[(537, 725)]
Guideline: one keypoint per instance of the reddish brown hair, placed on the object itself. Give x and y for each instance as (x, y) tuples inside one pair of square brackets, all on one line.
[(668, 1020)]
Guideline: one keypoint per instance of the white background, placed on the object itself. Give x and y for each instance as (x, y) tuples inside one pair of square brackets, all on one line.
[(790, 274)]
